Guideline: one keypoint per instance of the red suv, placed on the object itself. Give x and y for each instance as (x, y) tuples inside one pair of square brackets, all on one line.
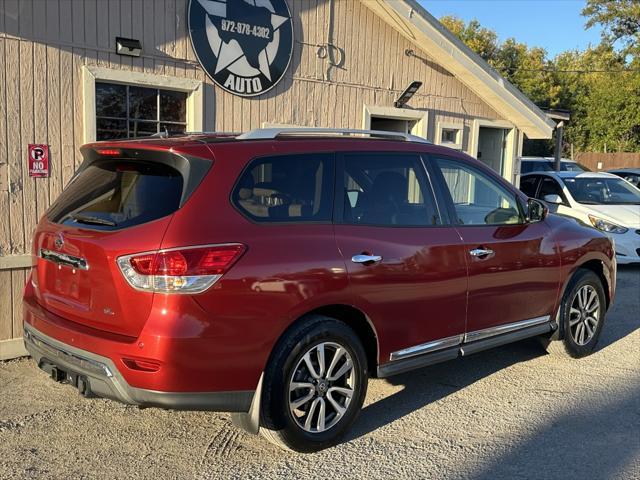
[(272, 273)]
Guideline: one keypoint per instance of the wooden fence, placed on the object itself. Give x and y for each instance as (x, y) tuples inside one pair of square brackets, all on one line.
[(607, 161)]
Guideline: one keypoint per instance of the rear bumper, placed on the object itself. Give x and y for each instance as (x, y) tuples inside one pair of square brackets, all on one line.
[(103, 379)]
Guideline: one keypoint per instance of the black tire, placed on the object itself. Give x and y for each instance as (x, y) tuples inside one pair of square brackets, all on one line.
[(569, 344), (278, 423)]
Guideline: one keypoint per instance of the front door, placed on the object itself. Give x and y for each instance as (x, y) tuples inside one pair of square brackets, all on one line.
[(491, 147), (514, 269), (407, 269)]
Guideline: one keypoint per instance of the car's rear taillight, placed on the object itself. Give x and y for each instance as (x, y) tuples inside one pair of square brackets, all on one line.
[(180, 270)]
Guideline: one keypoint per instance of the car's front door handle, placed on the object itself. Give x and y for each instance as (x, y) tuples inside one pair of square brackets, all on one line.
[(366, 259), (481, 252)]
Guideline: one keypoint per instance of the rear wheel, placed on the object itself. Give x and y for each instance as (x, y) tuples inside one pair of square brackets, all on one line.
[(581, 316), (315, 384)]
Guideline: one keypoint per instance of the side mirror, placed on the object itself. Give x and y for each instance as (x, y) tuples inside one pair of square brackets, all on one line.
[(555, 199), (536, 210)]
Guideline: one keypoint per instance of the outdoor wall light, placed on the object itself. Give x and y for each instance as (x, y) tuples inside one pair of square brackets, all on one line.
[(128, 47), (407, 94)]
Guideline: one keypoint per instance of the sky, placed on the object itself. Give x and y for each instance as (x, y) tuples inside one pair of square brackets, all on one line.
[(555, 25)]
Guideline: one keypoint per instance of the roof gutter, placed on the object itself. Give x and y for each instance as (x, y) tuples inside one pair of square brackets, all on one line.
[(419, 26)]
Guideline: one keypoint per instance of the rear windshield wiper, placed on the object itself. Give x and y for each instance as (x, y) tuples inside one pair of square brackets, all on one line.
[(93, 220)]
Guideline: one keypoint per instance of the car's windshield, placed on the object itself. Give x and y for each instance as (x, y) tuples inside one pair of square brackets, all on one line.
[(602, 191)]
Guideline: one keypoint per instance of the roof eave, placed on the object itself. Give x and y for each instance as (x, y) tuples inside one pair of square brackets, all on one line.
[(415, 23)]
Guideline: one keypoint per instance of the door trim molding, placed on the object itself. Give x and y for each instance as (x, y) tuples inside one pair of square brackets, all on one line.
[(466, 338), (427, 347), (506, 328)]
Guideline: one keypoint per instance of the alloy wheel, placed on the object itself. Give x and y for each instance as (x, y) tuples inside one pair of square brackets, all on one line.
[(321, 387), (584, 315)]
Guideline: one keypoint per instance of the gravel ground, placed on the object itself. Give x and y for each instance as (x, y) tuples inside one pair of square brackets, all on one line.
[(508, 413)]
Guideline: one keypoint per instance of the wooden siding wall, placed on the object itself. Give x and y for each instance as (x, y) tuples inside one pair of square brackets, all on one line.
[(609, 160), (45, 43)]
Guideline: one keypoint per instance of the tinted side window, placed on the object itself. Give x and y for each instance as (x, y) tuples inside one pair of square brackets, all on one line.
[(528, 186), (387, 190), (478, 199), (287, 188), (633, 178), (550, 187)]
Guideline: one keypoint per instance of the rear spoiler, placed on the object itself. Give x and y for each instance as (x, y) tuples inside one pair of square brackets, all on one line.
[(193, 169)]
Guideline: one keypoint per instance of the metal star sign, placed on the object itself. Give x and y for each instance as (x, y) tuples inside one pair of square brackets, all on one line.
[(244, 45)]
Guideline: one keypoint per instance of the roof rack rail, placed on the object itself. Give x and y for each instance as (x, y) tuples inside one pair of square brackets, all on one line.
[(273, 133), (222, 134), (167, 134)]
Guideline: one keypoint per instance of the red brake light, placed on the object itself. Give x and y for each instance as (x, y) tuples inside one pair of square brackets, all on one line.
[(142, 263), (172, 264), (213, 260), (108, 152)]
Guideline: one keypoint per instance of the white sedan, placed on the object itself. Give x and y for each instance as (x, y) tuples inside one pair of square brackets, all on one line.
[(602, 200)]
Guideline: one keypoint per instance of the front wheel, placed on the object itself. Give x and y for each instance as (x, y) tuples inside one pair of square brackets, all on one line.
[(314, 387), (581, 316)]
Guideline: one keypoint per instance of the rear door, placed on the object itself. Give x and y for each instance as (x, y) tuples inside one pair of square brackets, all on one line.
[(514, 269), (406, 265), (115, 205)]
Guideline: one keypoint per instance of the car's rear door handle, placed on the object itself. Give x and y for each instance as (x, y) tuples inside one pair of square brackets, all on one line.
[(366, 259), (481, 252)]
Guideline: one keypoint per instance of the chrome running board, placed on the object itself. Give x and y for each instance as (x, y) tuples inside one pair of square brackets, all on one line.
[(462, 345)]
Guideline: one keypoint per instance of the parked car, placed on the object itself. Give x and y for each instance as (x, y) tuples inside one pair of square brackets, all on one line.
[(548, 164), (603, 200), (631, 175), (155, 273)]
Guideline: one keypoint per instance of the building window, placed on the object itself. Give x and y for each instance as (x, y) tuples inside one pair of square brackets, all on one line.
[(449, 136), (129, 111)]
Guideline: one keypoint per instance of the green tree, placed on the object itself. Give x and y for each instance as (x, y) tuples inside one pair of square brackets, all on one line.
[(620, 20), (481, 40), (600, 85), (527, 68)]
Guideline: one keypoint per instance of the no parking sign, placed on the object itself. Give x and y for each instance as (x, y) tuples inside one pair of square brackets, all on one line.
[(38, 160)]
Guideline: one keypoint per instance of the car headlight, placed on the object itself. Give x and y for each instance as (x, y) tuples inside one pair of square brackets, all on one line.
[(606, 226)]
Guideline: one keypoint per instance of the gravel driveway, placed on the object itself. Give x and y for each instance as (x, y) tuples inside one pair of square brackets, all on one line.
[(508, 413)]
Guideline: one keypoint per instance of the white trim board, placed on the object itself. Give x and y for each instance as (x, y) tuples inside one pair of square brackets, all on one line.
[(440, 126), (428, 34), (14, 348), (509, 149), (421, 117), (92, 74), (11, 262)]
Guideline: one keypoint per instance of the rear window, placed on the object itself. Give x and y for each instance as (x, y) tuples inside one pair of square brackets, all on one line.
[(528, 166), (113, 194), (573, 167), (288, 188)]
